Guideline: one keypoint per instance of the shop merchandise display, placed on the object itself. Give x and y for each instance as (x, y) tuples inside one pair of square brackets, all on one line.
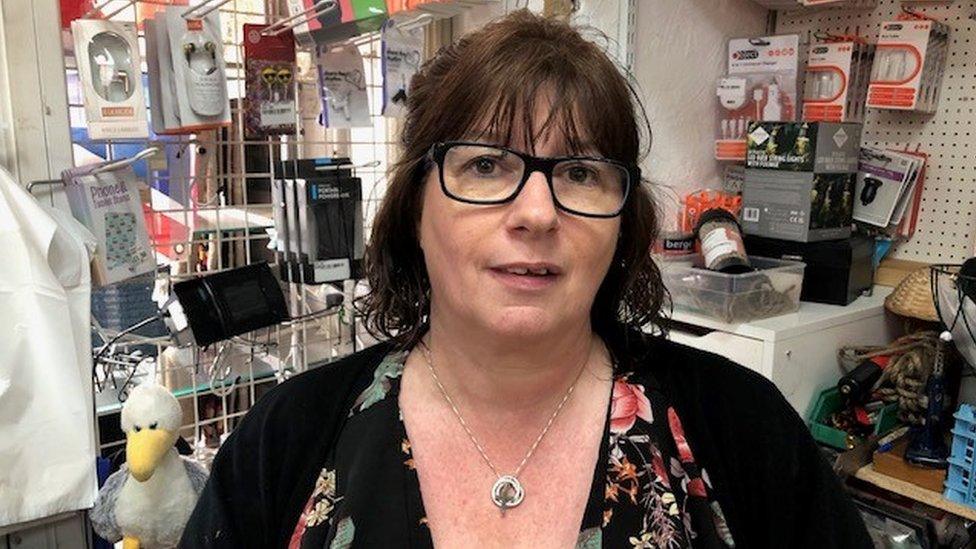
[(107, 202), (342, 88), (318, 203), (185, 57), (218, 306), (401, 54), (109, 66), (909, 65), (799, 181), (798, 206), (818, 147), (837, 77), (761, 84), (269, 65), (886, 182)]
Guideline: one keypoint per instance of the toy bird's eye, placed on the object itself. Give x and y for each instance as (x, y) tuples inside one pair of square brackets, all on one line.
[(137, 428), (153, 425)]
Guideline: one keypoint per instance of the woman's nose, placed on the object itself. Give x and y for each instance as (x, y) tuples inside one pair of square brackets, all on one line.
[(534, 209)]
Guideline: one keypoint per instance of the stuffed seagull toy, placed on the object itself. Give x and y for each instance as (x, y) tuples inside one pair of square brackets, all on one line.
[(147, 502)]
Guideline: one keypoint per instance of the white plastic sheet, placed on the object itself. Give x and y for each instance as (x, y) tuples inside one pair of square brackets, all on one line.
[(47, 435)]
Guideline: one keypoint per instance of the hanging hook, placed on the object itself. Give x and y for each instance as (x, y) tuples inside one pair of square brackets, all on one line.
[(146, 153), (317, 9), (186, 14)]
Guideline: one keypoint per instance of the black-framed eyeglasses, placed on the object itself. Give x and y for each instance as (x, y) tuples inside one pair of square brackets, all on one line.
[(476, 173)]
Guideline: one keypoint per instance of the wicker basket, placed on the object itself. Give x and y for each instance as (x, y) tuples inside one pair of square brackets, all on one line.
[(913, 297)]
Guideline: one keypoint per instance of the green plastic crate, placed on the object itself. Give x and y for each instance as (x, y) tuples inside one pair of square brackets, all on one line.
[(828, 402)]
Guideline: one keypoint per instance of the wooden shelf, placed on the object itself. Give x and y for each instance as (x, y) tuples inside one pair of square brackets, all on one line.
[(917, 493)]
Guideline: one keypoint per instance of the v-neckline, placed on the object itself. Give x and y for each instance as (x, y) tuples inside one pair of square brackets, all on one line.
[(414, 502)]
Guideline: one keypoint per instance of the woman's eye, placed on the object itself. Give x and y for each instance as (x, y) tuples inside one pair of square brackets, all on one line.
[(484, 166), (579, 174)]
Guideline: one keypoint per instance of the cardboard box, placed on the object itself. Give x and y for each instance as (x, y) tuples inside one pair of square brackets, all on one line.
[(818, 147), (797, 206)]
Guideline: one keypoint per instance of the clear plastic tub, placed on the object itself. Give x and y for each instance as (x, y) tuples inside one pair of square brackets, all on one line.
[(772, 289)]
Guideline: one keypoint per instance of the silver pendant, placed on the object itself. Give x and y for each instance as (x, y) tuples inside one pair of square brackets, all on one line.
[(507, 492)]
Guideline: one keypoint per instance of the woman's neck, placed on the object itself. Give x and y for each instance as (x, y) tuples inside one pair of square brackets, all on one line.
[(485, 371)]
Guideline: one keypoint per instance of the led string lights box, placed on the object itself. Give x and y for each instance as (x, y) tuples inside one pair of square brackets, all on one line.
[(761, 85)]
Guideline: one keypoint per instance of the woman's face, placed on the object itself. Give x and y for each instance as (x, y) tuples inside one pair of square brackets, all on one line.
[(480, 258)]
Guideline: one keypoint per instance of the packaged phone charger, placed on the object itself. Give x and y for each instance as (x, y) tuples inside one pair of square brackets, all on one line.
[(199, 72), (109, 66), (836, 82), (909, 65), (761, 85)]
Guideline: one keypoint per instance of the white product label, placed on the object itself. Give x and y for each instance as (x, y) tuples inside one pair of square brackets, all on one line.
[(750, 214), (840, 137), (332, 269), (277, 114), (732, 92), (718, 243), (759, 135), (767, 54)]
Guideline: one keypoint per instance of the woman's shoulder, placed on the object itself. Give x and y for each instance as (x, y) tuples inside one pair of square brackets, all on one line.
[(307, 401), (694, 375)]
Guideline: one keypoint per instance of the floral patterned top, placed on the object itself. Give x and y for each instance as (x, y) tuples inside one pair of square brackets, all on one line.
[(648, 491), (322, 461)]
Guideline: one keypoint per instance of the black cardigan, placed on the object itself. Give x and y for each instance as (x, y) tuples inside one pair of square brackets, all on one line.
[(769, 477)]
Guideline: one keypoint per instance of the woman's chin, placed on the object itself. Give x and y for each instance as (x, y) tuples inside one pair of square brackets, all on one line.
[(522, 322)]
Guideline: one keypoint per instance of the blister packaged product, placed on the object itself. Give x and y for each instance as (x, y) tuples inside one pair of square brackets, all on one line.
[(199, 70), (109, 66), (108, 203), (402, 53), (269, 63), (761, 85), (909, 65), (836, 81), (342, 88)]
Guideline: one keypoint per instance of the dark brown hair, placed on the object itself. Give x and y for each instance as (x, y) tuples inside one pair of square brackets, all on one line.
[(487, 83)]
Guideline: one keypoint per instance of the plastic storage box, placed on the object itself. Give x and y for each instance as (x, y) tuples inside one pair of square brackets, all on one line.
[(959, 482), (831, 401), (772, 289)]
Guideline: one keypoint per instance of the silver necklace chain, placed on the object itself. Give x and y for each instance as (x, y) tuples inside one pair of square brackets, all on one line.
[(457, 413)]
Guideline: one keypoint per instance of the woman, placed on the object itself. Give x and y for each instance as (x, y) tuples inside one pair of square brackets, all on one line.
[(516, 403)]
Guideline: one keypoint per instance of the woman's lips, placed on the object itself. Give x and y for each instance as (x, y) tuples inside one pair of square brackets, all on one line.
[(524, 282)]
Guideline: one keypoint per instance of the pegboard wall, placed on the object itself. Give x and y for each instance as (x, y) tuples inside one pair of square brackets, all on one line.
[(947, 218)]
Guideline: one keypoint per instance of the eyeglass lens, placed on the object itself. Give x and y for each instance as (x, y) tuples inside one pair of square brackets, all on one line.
[(490, 175)]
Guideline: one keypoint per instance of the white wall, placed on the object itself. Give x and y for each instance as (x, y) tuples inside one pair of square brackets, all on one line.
[(34, 98), (680, 52)]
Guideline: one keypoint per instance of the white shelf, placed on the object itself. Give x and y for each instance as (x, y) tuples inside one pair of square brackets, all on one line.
[(811, 317)]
